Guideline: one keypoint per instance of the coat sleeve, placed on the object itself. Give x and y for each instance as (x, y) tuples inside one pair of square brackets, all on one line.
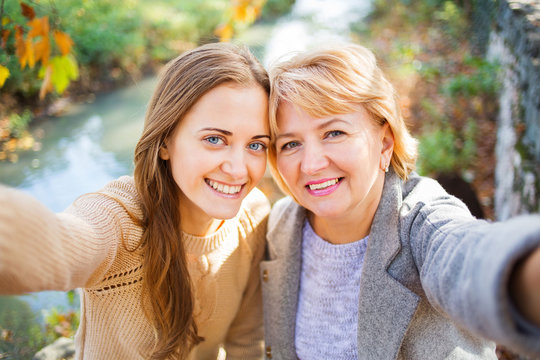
[(245, 336), (465, 265), (41, 250)]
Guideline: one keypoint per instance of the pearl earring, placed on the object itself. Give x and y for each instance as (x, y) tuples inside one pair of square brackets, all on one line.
[(386, 168)]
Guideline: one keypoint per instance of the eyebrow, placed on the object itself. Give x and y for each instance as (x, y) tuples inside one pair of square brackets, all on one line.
[(321, 126), (229, 133), (261, 137), (224, 132)]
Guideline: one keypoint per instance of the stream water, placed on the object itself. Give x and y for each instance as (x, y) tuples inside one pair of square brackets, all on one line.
[(93, 143)]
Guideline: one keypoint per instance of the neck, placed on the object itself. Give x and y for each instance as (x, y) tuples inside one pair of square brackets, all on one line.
[(340, 231), (196, 222), (200, 228)]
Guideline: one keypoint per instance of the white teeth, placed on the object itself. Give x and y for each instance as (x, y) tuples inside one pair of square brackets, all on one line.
[(225, 189), (323, 185)]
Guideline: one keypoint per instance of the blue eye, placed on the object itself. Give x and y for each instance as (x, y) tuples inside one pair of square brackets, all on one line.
[(290, 145), (214, 140), (334, 133), (257, 146)]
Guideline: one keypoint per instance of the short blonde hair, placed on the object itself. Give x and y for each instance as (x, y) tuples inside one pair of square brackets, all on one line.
[(335, 80)]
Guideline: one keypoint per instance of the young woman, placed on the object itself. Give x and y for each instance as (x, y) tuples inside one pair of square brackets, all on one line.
[(167, 260), (368, 260)]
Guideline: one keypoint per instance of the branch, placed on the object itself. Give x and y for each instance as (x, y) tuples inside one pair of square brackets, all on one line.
[(1, 17)]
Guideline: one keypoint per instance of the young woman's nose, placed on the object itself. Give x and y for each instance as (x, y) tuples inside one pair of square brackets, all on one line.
[(235, 165), (314, 159)]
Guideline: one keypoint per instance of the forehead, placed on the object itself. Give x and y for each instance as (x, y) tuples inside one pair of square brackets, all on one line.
[(230, 105), (290, 116)]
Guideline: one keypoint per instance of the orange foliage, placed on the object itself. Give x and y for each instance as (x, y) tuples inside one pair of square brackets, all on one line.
[(241, 12), (63, 41), (36, 47), (27, 11)]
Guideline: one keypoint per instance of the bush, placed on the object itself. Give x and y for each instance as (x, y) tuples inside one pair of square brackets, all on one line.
[(481, 77), (447, 150), (20, 334)]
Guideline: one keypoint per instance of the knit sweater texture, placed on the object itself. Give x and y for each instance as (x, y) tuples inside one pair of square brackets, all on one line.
[(327, 316), (93, 245)]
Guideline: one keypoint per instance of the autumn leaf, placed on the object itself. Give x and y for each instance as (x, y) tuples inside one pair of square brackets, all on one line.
[(29, 57), (42, 50), (65, 69), (19, 42), (27, 11), (5, 35), (63, 41), (225, 32), (38, 27), (244, 12), (4, 74), (46, 86), (240, 13)]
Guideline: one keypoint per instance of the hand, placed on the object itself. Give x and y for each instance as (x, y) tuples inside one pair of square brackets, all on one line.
[(525, 287)]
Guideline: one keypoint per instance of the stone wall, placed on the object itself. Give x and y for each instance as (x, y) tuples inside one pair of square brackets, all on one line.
[(515, 44)]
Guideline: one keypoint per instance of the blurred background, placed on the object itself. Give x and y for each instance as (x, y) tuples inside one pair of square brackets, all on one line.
[(76, 76)]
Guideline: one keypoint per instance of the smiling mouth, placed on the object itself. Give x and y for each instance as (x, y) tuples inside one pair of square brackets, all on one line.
[(324, 185), (224, 189)]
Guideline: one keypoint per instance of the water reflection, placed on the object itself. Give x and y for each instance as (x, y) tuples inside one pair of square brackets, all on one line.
[(82, 150), (314, 22)]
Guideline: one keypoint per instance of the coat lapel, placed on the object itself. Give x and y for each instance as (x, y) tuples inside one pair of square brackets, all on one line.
[(280, 290), (386, 307)]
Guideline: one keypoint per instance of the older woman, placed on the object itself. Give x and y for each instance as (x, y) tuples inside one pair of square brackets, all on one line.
[(366, 259)]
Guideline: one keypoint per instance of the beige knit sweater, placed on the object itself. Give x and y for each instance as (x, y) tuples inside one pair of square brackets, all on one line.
[(83, 248)]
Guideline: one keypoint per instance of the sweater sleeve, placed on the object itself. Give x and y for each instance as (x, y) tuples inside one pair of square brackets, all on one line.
[(245, 336), (41, 250), (465, 266)]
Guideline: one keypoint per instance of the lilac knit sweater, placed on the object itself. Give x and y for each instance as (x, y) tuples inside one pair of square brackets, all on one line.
[(327, 316)]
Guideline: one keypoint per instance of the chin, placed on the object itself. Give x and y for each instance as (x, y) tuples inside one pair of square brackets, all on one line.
[(225, 214), (327, 213)]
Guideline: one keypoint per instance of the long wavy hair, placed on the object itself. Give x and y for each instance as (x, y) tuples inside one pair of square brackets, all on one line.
[(335, 80), (166, 279)]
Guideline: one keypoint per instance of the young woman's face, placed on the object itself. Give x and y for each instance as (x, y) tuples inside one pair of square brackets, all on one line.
[(332, 165), (218, 151)]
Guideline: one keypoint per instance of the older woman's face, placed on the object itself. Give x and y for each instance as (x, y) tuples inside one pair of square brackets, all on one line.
[(332, 165)]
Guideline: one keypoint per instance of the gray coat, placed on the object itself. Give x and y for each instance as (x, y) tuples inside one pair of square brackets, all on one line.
[(433, 282)]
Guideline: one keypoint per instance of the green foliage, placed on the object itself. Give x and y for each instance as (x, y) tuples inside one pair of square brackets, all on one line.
[(446, 150), (20, 334), (24, 82), (482, 78), (122, 34), (275, 8), (59, 323), (18, 123), (172, 25), (452, 19), (104, 31)]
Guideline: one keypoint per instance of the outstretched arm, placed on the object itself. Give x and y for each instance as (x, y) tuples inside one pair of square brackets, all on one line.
[(525, 287), (41, 250)]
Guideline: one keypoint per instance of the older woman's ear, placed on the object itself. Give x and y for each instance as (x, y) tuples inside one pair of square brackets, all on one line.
[(387, 146)]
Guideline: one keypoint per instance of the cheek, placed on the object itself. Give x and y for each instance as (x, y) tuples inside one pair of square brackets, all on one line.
[(285, 167), (258, 168)]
